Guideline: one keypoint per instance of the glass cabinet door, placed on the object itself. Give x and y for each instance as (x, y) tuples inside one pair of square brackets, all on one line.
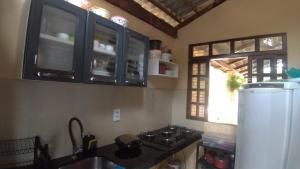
[(135, 60), (56, 52), (56, 42), (104, 50)]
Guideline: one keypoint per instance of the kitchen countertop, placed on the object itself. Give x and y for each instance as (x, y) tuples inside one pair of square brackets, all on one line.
[(147, 157)]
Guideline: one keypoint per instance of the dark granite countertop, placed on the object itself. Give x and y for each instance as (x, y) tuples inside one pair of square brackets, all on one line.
[(146, 158)]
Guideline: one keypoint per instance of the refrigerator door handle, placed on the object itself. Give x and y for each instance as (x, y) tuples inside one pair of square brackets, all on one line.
[(288, 129)]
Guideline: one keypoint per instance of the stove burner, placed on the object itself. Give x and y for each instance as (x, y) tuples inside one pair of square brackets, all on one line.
[(187, 131), (167, 133), (171, 128), (149, 135), (167, 141)]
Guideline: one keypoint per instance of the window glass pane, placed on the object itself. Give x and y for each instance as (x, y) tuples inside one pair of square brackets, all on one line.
[(279, 66), (202, 84), (244, 46), (195, 69), (270, 43), (279, 78), (254, 79), (201, 111), (254, 66), (202, 97), (202, 50), (203, 69), (267, 66), (221, 48), (193, 110), (194, 82), (194, 96), (266, 78)]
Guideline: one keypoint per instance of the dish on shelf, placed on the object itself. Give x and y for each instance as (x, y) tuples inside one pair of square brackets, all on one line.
[(120, 20), (104, 48), (63, 36)]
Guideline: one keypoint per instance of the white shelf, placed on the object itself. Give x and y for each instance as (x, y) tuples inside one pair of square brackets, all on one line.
[(153, 68), (56, 39), (166, 62), (104, 51), (163, 75)]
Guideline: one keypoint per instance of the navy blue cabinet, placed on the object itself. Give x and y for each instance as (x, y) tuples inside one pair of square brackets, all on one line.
[(55, 36), (135, 59), (66, 43), (103, 51)]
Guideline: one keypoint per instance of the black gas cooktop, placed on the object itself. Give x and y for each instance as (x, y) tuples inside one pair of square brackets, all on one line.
[(168, 137)]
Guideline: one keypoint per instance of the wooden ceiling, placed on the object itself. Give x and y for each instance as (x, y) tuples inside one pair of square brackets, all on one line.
[(236, 65), (167, 15)]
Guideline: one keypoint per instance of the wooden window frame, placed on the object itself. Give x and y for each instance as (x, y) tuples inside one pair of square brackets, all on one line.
[(273, 55)]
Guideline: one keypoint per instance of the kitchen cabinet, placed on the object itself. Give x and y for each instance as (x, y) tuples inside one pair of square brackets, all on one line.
[(66, 43), (104, 51), (55, 40), (135, 59)]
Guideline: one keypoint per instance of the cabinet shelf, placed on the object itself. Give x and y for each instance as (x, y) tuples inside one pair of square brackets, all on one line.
[(56, 39), (103, 51), (153, 68)]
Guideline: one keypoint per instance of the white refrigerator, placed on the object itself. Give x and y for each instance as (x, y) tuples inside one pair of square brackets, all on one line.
[(268, 132)]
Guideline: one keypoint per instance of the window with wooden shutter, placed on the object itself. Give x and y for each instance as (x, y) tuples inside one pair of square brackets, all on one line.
[(198, 90), (256, 58)]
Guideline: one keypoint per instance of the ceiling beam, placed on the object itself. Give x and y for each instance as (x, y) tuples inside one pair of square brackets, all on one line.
[(223, 64), (200, 13), (165, 10), (136, 10), (237, 60), (241, 66)]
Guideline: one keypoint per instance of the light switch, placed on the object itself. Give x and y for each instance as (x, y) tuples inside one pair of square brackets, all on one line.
[(116, 115)]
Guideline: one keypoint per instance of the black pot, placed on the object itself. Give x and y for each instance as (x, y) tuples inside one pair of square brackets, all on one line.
[(155, 44), (128, 142)]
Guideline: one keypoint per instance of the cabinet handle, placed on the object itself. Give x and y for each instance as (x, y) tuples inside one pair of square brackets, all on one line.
[(54, 75), (35, 59)]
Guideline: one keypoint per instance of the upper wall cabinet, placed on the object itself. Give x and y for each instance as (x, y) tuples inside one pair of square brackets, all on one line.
[(66, 43), (55, 40), (104, 51), (135, 59)]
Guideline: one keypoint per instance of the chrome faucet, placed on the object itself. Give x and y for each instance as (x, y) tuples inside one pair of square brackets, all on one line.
[(76, 148)]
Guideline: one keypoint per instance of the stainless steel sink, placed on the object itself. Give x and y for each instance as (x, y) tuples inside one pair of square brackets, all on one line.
[(90, 163)]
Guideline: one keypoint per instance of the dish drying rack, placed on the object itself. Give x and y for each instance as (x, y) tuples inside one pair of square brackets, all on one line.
[(18, 152)]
